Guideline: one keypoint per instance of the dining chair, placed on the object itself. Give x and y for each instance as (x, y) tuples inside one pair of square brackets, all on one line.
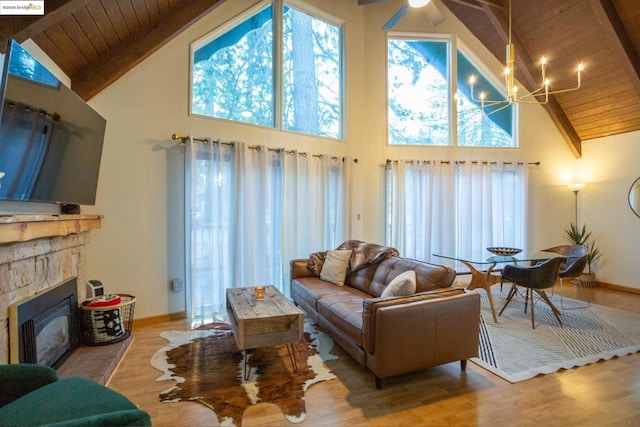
[(576, 262), (535, 279)]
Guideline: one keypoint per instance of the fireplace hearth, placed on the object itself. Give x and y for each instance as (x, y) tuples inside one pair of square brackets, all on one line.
[(44, 328)]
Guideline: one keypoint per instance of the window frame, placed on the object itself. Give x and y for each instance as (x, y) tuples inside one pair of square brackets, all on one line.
[(454, 44), (408, 36), (277, 61)]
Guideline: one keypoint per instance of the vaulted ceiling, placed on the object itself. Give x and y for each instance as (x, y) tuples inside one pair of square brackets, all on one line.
[(603, 34), (95, 42)]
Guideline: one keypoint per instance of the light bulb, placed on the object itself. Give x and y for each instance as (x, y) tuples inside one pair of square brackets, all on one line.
[(472, 80), (543, 60), (580, 66), (418, 3)]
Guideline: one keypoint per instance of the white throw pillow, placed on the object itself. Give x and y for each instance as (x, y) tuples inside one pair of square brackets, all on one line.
[(403, 285), (335, 265)]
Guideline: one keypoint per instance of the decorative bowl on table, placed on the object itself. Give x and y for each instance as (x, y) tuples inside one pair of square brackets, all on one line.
[(504, 251)]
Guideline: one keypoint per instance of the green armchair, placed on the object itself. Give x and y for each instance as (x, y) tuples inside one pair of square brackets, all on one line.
[(33, 395)]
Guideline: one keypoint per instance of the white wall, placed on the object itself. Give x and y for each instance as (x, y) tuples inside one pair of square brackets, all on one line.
[(140, 246), (609, 166)]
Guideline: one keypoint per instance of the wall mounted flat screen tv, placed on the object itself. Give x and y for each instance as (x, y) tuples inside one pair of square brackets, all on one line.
[(50, 138)]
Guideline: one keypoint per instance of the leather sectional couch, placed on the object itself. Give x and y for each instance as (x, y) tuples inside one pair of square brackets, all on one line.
[(392, 335)]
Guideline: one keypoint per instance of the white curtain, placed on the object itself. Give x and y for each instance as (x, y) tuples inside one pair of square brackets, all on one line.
[(455, 206), (421, 211), (250, 210)]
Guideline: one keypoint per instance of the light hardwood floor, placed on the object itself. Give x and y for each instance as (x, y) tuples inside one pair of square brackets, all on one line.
[(601, 394)]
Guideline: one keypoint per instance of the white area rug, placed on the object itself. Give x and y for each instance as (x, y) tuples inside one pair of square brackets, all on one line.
[(514, 351)]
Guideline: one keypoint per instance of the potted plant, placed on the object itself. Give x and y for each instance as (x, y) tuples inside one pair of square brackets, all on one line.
[(582, 237)]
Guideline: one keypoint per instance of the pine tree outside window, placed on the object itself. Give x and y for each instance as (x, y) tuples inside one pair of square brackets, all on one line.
[(234, 70), (420, 96)]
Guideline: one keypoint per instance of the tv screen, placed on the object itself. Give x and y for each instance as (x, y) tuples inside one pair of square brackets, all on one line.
[(50, 138)]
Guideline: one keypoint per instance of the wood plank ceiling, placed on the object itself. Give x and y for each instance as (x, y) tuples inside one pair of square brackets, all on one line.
[(95, 42), (604, 34)]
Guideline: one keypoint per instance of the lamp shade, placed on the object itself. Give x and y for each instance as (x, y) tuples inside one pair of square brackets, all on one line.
[(576, 186), (418, 3)]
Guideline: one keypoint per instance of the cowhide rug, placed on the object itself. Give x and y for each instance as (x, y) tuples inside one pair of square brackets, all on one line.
[(208, 367)]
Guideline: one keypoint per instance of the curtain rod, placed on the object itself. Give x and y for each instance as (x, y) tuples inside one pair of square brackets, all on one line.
[(185, 139), (462, 162)]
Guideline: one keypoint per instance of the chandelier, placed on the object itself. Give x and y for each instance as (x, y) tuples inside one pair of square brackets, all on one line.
[(539, 95)]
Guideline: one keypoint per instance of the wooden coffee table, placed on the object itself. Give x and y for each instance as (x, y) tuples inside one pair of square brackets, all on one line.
[(266, 322)]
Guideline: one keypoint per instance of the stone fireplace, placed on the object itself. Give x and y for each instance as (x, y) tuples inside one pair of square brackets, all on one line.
[(38, 252)]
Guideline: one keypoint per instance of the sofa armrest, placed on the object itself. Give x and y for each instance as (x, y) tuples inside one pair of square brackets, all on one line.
[(20, 379), (418, 334), (385, 317), (299, 269)]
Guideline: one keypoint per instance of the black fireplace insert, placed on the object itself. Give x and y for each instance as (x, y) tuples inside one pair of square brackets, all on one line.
[(44, 328)]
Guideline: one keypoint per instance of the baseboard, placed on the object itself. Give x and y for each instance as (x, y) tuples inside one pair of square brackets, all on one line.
[(613, 287), (144, 321)]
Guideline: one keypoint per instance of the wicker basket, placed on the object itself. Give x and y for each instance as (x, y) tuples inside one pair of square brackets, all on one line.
[(107, 325)]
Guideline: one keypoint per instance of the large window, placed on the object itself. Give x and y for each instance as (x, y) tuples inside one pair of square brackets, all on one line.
[(420, 86), (235, 75), (418, 92)]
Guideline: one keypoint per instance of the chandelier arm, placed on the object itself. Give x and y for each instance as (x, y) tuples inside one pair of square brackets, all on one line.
[(539, 95), (489, 103), (553, 92), (507, 105), (532, 93), (534, 101)]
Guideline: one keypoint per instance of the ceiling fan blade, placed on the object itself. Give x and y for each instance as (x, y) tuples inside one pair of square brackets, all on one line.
[(433, 14), (395, 18)]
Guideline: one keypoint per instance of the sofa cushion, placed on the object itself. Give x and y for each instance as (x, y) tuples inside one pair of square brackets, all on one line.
[(70, 400), (344, 311), (334, 268), (310, 289), (404, 284), (428, 276)]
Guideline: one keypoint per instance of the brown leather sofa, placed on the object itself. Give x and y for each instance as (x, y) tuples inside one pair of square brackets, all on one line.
[(393, 335)]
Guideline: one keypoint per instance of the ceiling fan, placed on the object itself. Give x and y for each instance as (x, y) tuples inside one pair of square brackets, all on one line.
[(430, 10)]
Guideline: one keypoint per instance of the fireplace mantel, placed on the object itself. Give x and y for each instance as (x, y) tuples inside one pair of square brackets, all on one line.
[(22, 228), (36, 253)]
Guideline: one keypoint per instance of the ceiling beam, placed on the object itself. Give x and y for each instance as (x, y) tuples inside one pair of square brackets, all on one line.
[(99, 74), (525, 75), (615, 31)]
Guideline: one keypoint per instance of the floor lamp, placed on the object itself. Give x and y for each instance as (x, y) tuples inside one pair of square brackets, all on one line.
[(575, 187)]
